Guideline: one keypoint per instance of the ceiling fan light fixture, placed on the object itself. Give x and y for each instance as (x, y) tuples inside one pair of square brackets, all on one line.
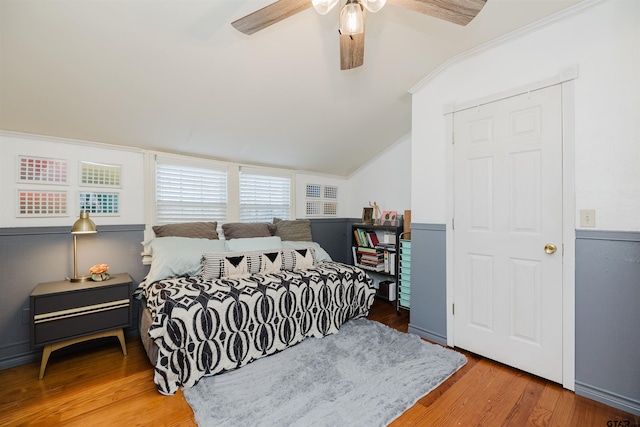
[(351, 18), (373, 5), (324, 6)]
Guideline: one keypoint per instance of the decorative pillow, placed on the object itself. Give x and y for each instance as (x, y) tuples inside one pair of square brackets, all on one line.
[(237, 230), (243, 264), (253, 244), (197, 230), (320, 253), (178, 256), (298, 259), (272, 262), (293, 230), (303, 259), (230, 264), (236, 266)]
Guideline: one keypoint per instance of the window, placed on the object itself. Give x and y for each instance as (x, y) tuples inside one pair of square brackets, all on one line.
[(264, 195), (326, 203), (186, 192)]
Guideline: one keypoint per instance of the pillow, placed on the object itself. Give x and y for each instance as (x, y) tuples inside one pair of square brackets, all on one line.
[(236, 266), (230, 264), (320, 253), (271, 262), (253, 244), (303, 259), (238, 230), (243, 264), (293, 230), (197, 230), (179, 256)]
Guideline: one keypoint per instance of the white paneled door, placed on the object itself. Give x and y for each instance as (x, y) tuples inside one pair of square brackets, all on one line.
[(507, 232)]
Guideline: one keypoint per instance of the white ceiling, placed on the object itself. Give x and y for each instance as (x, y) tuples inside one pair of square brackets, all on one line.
[(174, 75)]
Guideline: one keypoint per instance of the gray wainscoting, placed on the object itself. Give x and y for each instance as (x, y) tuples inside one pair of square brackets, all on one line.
[(607, 308), (32, 255), (332, 234), (608, 317), (428, 282)]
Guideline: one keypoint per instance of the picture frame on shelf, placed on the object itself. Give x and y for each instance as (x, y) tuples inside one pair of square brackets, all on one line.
[(367, 215), (389, 218)]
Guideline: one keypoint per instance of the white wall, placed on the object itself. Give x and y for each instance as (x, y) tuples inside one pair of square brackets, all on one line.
[(130, 195), (386, 180), (604, 42)]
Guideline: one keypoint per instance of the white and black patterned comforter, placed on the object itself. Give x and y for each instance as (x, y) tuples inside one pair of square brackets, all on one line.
[(203, 327)]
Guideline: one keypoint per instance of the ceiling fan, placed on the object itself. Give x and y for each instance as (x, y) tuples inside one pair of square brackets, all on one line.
[(352, 18)]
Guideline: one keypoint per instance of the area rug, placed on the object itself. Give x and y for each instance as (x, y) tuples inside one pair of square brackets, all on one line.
[(367, 374)]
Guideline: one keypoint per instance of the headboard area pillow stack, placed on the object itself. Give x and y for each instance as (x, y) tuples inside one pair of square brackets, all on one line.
[(178, 248)]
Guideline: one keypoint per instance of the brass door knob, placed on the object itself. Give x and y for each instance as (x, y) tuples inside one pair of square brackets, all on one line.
[(550, 248)]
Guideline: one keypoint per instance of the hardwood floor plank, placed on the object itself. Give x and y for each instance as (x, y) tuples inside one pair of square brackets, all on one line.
[(521, 411), (97, 385)]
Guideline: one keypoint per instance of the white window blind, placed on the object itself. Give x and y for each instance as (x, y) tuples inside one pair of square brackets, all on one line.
[(186, 193), (264, 195)]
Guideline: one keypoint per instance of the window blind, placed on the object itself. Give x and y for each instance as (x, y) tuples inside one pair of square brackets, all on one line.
[(186, 193), (264, 195)]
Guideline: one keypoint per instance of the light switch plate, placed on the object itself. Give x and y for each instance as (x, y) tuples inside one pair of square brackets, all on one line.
[(587, 217)]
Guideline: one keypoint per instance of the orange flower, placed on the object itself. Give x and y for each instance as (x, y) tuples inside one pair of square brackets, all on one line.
[(99, 269)]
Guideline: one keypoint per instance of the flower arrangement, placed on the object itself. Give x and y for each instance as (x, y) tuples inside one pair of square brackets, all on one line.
[(99, 272)]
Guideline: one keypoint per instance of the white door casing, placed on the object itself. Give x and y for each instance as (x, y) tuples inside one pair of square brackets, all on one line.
[(508, 195)]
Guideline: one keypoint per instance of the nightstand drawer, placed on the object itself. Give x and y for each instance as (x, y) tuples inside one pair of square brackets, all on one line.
[(62, 325), (89, 297)]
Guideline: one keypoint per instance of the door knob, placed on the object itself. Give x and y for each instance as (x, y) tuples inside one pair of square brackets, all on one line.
[(550, 248)]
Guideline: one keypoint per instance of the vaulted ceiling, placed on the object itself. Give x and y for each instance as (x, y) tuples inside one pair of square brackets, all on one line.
[(174, 75)]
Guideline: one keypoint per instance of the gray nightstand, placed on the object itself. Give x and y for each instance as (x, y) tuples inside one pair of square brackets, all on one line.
[(64, 313)]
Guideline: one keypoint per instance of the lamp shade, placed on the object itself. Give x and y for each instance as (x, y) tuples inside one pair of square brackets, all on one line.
[(351, 18), (84, 225), (324, 6), (373, 5)]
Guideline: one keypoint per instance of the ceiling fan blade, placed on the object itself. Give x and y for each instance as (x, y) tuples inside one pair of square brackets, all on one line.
[(351, 51), (269, 15), (459, 12)]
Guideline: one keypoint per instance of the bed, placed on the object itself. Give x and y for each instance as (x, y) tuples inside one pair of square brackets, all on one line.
[(210, 305)]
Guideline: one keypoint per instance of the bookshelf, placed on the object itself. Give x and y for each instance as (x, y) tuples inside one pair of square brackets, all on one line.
[(374, 248)]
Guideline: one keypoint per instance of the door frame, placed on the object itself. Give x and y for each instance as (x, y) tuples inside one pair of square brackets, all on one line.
[(566, 80)]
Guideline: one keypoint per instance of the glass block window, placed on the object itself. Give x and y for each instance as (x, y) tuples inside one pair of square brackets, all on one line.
[(38, 170), (314, 208), (107, 204), (41, 203), (100, 175), (330, 208), (326, 200), (330, 192), (314, 191)]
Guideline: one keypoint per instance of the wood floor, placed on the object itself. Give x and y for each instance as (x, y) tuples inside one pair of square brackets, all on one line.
[(100, 387)]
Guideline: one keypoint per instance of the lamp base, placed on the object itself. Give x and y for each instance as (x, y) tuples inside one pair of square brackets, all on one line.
[(80, 279)]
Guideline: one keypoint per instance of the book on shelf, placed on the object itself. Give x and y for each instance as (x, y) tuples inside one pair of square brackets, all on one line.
[(366, 238)]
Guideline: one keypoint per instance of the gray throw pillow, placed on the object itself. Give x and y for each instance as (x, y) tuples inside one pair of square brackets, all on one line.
[(293, 230), (238, 230), (197, 230)]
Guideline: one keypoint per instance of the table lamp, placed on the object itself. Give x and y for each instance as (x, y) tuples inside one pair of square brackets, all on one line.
[(83, 225)]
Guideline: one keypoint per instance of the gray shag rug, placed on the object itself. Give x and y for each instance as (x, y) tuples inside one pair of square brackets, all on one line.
[(365, 375)]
